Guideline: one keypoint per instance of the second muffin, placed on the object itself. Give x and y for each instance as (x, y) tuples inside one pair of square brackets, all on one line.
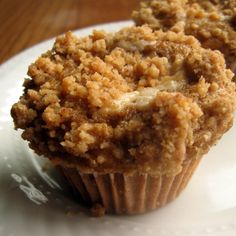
[(212, 22)]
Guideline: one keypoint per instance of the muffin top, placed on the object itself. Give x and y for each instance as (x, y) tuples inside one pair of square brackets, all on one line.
[(212, 22), (136, 100)]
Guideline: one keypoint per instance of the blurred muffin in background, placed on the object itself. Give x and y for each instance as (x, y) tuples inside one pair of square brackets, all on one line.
[(212, 22)]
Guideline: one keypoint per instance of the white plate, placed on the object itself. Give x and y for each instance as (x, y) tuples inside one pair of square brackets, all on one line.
[(33, 202)]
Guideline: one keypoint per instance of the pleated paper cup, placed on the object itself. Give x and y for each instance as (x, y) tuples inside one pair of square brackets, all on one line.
[(129, 194)]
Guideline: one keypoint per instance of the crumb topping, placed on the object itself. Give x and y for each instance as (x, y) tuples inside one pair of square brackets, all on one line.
[(135, 100), (212, 22)]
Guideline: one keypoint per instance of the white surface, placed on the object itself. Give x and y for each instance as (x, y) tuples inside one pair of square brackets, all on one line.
[(35, 203)]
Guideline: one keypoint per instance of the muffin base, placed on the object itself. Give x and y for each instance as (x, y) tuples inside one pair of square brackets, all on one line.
[(129, 194)]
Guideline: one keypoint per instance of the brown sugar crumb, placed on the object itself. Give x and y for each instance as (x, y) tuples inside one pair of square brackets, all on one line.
[(135, 100), (45, 167), (72, 213), (97, 210), (212, 22)]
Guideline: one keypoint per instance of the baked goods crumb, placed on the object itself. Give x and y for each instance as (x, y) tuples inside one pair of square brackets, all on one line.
[(72, 213), (97, 210), (45, 167)]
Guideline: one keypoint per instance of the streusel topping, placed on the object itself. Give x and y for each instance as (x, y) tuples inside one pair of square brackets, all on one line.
[(136, 100)]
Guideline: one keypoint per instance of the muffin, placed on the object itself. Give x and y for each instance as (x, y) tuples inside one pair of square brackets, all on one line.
[(212, 22), (126, 116)]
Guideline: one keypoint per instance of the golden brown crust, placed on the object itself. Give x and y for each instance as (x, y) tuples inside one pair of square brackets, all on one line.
[(212, 22), (136, 100)]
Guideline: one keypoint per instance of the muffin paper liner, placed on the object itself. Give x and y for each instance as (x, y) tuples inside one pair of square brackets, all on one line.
[(129, 194)]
